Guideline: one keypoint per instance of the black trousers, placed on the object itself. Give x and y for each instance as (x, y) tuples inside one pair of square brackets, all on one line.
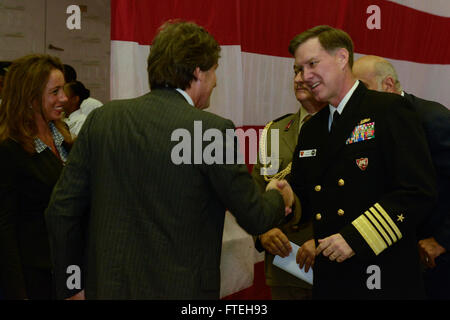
[(39, 284), (437, 280)]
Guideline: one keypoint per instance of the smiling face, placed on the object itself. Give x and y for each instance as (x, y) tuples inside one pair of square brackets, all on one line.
[(322, 72), (53, 97), (301, 90)]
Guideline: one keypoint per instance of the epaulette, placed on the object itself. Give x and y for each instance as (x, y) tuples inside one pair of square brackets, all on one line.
[(282, 117), (263, 155)]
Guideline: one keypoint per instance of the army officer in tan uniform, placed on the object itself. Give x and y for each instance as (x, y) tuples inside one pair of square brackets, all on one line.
[(284, 286)]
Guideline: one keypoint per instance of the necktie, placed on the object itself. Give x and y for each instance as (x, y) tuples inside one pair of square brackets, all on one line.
[(336, 116)]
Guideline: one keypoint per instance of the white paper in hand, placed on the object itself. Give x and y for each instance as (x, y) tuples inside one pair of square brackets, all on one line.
[(289, 264)]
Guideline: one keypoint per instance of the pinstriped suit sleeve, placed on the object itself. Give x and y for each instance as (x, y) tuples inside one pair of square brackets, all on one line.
[(255, 212), (67, 210)]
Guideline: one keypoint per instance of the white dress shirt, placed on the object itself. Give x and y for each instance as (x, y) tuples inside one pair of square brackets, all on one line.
[(186, 96), (341, 105), (76, 119)]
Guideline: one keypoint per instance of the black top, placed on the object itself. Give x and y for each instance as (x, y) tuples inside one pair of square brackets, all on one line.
[(26, 184)]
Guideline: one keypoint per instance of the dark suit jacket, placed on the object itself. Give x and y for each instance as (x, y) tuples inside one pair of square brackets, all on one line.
[(371, 192), (435, 119), (155, 227), (25, 187)]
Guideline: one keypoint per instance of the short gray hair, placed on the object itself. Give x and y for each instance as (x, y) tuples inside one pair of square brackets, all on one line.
[(384, 69)]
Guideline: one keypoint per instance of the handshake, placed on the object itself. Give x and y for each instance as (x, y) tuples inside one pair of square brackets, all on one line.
[(286, 192)]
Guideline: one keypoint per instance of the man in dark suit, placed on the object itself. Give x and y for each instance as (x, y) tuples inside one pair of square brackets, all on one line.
[(364, 175), (156, 206), (434, 233)]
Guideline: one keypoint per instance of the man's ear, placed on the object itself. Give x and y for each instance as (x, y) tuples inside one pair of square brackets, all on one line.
[(342, 57), (198, 74), (388, 84)]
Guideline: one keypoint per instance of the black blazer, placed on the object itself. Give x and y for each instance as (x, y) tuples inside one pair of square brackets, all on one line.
[(372, 192), (435, 119), (25, 186)]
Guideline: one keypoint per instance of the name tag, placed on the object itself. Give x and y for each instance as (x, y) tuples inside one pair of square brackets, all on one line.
[(307, 153)]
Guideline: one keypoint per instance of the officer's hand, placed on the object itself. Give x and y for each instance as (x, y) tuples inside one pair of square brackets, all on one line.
[(335, 248), (275, 242), (306, 255)]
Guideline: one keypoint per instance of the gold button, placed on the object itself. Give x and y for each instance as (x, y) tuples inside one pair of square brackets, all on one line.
[(318, 188), (341, 212), (341, 183), (318, 216)]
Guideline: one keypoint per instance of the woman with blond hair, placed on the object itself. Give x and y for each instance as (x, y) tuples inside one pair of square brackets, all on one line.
[(34, 144)]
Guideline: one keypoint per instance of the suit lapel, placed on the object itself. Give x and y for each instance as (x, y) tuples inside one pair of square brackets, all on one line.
[(45, 167), (408, 97)]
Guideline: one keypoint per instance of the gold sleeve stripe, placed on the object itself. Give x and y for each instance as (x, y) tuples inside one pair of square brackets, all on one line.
[(370, 234), (383, 222), (389, 220), (379, 228)]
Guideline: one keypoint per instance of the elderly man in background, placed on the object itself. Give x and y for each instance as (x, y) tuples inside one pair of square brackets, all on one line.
[(434, 233)]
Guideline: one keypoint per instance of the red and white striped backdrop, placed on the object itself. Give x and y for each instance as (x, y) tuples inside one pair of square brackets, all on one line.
[(255, 72), (255, 75)]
